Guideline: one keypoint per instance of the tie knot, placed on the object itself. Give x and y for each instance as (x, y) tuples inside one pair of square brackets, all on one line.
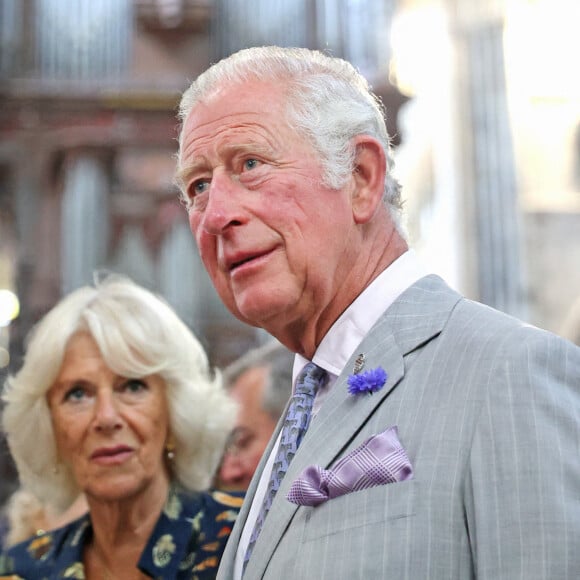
[(310, 379)]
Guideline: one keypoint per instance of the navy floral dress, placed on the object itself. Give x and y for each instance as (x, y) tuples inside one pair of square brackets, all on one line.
[(187, 542)]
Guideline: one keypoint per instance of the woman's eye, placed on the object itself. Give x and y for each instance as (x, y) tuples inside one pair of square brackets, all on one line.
[(134, 386), (251, 163), (76, 393)]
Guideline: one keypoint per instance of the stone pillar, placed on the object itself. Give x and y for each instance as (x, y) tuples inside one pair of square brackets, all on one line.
[(11, 15), (358, 31), (495, 204), (83, 39), (282, 22), (132, 255), (182, 278), (85, 220)]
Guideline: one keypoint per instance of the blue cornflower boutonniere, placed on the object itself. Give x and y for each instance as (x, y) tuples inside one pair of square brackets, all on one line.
[(367, 381)]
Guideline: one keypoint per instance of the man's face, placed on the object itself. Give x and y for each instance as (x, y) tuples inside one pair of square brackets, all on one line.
[(276, 242), (253, 430)]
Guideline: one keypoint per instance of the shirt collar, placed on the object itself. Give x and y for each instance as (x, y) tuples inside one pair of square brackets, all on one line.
[(356, 321)]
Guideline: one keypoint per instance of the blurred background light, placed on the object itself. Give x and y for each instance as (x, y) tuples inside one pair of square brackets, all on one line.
[(9, 307)]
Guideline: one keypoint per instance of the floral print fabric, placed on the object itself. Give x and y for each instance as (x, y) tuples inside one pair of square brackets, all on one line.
[(187, 542)]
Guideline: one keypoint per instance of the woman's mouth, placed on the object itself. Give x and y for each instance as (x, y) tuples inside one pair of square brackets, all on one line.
[(113, 455)]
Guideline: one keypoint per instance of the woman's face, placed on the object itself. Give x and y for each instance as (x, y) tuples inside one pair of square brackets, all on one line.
[(110, 429)]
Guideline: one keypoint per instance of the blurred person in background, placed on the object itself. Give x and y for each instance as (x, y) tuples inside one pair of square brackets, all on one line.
[(260, 381), (116, 400), (428, 436)]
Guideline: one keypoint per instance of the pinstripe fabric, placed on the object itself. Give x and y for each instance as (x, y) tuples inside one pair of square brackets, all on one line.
[(488, 410)]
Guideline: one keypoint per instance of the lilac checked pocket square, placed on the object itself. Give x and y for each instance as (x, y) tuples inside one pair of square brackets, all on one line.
[(379, 460)]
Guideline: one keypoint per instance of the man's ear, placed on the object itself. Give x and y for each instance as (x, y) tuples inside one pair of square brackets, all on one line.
[(370, 168)]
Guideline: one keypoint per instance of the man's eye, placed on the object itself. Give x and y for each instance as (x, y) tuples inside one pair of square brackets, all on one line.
[(251, 164), (244, 442), (199, 186)]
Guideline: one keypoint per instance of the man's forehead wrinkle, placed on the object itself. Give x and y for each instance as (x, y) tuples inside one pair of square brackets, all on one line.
[(224, 141), (240, 117), (187, 157)]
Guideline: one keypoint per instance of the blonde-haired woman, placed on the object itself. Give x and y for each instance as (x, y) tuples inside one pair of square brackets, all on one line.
[(116, 400)]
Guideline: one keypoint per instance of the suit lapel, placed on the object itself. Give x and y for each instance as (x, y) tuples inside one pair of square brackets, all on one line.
[(415, 318), (337, 422)]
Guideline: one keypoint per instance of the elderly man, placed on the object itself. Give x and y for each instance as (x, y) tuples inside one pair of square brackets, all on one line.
[(443, 440), (260, 382)]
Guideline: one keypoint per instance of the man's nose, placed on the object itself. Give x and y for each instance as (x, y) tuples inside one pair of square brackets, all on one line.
[(223, 209), (231, 469)]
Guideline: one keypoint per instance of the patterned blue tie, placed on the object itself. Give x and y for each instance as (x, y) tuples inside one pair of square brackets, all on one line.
[(295, 425)]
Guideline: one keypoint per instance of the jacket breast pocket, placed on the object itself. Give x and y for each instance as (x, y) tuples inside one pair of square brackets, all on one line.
[(381, 503)]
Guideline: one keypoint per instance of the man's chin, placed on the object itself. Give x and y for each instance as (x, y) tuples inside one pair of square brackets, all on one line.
[(244, 319), (259, 311)]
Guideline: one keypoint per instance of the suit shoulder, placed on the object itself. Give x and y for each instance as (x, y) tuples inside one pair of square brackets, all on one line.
[(505, 342), (490, 322)]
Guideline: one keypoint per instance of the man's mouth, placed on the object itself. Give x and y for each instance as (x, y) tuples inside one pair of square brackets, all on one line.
[(240, 260)]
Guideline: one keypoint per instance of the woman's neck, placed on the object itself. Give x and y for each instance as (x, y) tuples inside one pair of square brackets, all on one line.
[(121, 530)]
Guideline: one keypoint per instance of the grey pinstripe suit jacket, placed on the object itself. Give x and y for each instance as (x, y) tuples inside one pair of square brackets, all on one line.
[(488, 409)]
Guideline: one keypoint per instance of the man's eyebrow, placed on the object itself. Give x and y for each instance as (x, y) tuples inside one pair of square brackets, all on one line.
[(250, 147), (183, 175)]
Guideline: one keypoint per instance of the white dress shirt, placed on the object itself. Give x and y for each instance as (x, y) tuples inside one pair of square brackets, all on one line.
[(333, 353)]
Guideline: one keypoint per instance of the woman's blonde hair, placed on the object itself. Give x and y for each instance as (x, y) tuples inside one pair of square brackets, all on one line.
[(138, 335)]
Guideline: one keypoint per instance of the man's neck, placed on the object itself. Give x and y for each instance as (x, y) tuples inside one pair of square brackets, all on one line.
[(304, 336)]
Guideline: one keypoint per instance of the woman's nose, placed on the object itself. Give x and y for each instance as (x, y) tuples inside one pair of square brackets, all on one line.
[(107, 415)]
